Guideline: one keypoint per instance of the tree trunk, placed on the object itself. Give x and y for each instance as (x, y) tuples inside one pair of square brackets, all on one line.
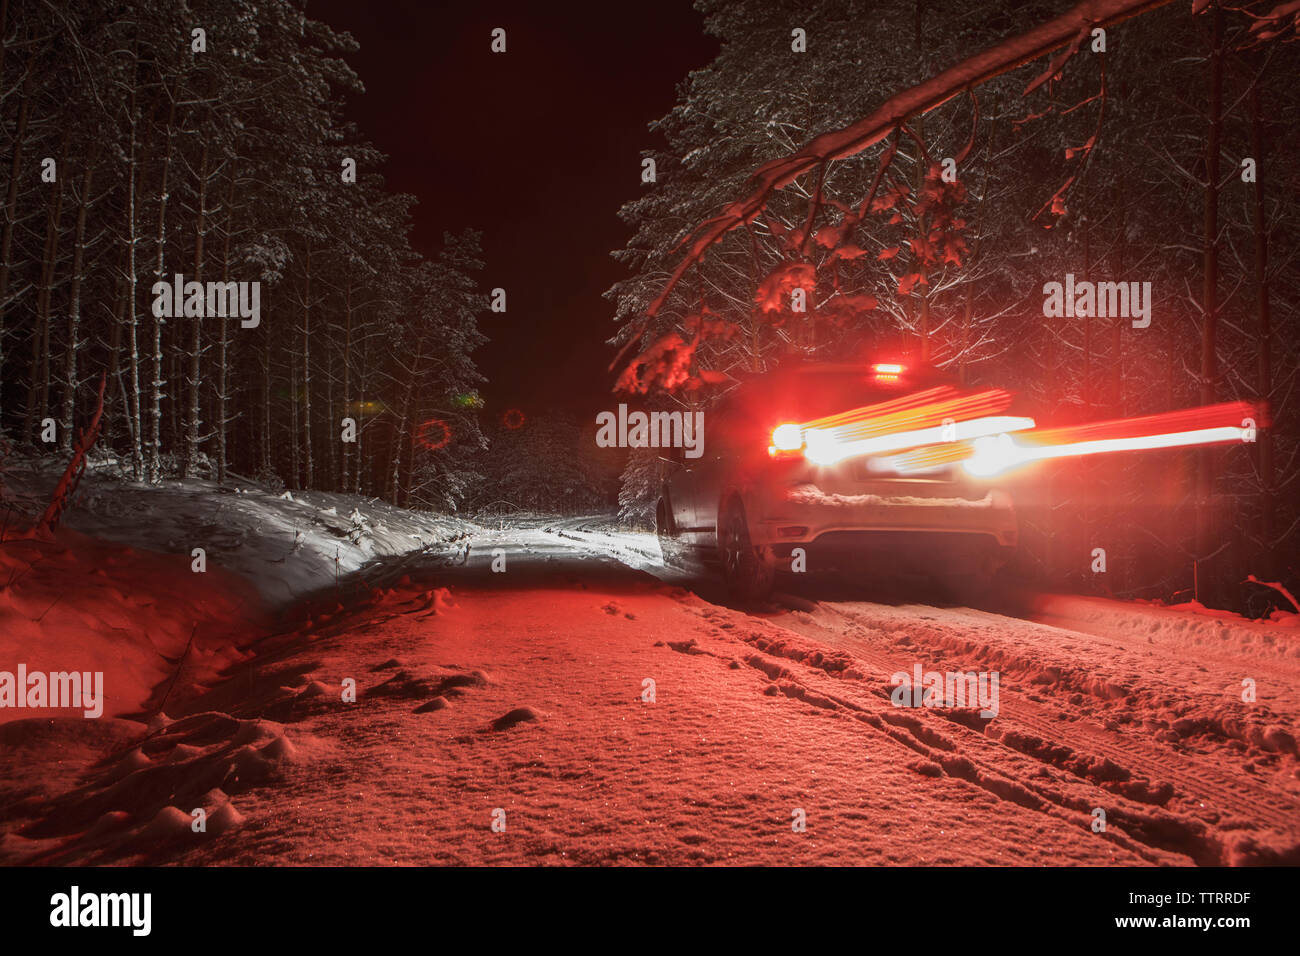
[(173, 403), (38, 385), (347, 377), (331, 416), (266, 406), (1085, 471), (403, 428), (295, 462), (192, 379), (1209, 296), (1264, 380), (922, 285), (1114, 513), (1117, 324), (364, 465), (11, 209), (1085, 390), (133, 323), (306, 373), (154, 469), (115, 349), (4, 32), (223, 341), (74, 310)]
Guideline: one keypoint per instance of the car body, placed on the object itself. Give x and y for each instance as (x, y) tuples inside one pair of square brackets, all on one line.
[(752, 504)]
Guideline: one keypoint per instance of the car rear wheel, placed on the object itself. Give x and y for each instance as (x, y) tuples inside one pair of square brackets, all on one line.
[(747, 569), (666, 530)]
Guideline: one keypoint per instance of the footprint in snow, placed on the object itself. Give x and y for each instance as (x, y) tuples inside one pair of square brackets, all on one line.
[(519, 715)]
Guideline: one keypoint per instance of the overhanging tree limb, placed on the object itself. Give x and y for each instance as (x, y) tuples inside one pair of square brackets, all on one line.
[(1011, 53)]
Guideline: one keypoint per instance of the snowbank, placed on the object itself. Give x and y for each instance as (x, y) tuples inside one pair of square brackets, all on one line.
[(120, 589), (1189, 624), (287, 545), (71, 603)]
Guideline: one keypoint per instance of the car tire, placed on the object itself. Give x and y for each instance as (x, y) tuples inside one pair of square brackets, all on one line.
[(747, 569), (670, 546)]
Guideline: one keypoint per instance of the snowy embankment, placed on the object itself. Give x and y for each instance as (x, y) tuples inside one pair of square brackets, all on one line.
[(120, 589), (1189, 624)]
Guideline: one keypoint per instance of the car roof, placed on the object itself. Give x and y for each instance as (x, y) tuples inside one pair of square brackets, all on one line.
[(799, 388), (915, 373)]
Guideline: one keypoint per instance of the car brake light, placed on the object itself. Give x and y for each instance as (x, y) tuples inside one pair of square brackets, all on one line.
[(887, 371), (787, 441)]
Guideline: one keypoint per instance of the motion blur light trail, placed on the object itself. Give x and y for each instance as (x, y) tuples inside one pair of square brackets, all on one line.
[(1224, 415), (918, 410), (992, 456), (934, 415), (1207, 425), (824, 448), (941, 426)]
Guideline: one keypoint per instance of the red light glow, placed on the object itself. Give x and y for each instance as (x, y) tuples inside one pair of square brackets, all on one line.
[(433, 434), (787, 441)]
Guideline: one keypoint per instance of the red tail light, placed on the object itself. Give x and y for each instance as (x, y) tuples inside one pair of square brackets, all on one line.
[(887, 371), (787, 441)]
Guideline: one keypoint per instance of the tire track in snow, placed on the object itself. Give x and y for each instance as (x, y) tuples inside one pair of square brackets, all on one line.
[(1095, 755), (946, 747), (1045, 714), (1030, 761)]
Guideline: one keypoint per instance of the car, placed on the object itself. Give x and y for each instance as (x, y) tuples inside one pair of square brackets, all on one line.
[(808, 468)]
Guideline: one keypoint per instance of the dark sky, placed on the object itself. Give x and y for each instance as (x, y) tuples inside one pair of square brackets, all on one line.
[(537, 147)]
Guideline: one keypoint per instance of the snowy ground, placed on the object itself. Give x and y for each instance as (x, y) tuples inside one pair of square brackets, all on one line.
[(118, 588), (288, 545), (519, 696)]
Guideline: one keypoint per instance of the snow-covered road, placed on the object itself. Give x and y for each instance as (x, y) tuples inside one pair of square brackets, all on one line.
[(584, 704)]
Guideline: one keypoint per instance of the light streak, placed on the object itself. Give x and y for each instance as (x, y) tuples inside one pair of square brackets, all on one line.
[(941, 425), (827, 448), (1000, 454), (1206, 425)]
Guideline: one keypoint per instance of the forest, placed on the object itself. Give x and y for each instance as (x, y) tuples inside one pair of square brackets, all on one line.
[(147, 141)]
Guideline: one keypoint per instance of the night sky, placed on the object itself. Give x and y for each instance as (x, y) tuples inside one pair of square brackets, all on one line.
[(537, 147)]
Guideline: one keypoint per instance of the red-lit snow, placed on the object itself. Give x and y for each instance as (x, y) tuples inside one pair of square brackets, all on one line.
[(522, 692), (117, 591)]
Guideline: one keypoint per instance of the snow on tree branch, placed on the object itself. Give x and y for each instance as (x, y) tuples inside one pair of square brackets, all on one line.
[(1068, 28)]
